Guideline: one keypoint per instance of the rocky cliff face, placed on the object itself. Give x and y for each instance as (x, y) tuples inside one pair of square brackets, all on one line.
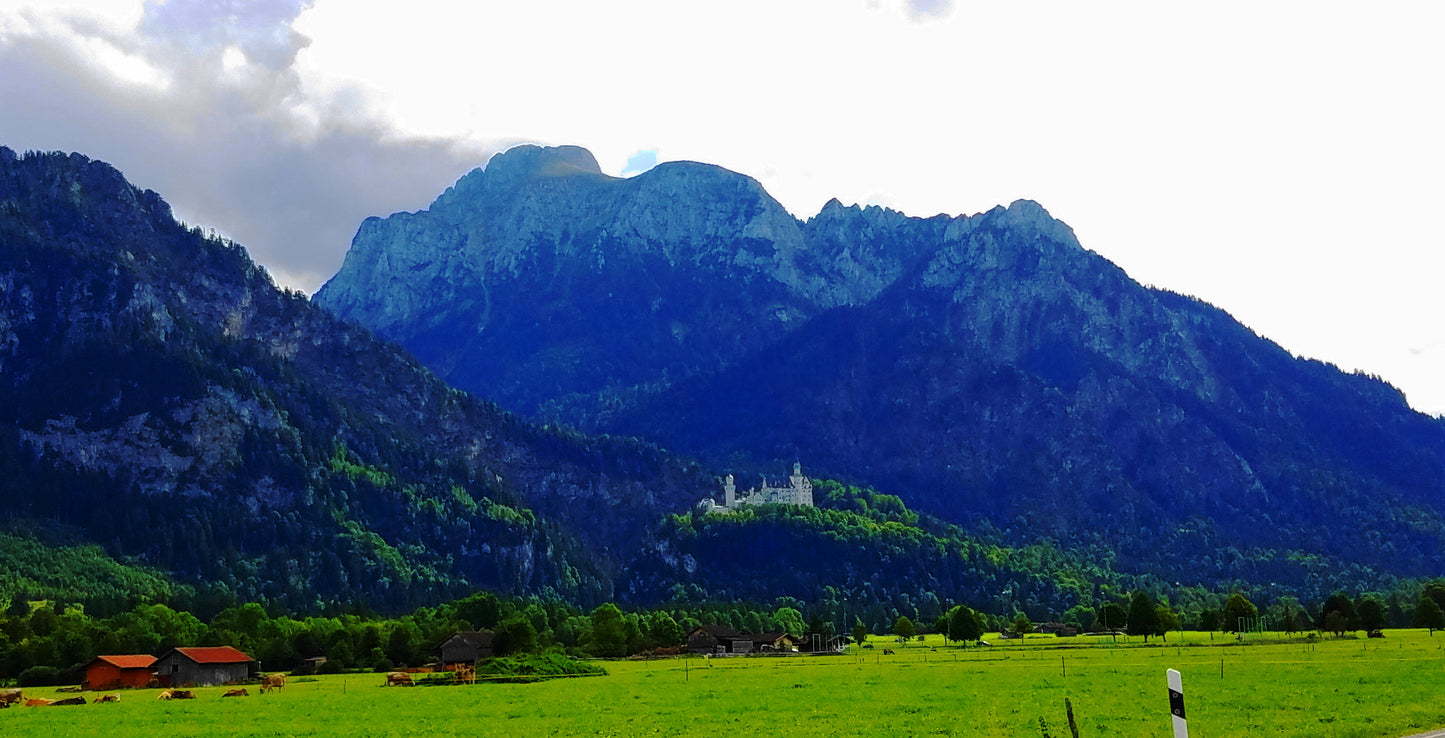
[(987, 368), (541, 281)]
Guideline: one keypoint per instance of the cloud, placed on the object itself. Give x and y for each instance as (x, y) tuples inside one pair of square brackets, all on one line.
[(925, 10), (235, 142), (640, 162)]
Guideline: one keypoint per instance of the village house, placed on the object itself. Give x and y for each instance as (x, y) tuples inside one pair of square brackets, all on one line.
[(720, 639), (204, 666), (115, 672), (466, 646)]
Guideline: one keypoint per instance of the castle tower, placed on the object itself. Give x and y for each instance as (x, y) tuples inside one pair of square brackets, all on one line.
[(801, 492), (730, 491)]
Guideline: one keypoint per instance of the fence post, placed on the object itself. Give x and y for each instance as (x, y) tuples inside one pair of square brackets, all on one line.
[(1176, 704)]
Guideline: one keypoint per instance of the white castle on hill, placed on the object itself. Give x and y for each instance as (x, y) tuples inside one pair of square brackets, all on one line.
[(799, 491)]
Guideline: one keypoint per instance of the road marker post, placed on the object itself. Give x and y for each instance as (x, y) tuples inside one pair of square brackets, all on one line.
[(1176, 704)]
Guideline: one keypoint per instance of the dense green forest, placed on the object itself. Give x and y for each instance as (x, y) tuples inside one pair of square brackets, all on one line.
[(48, 642)]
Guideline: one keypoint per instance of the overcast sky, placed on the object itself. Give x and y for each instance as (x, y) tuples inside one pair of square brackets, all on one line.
[(1283, 160)]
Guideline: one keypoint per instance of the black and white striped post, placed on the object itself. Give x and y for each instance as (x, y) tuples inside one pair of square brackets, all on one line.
[(1176, 704)]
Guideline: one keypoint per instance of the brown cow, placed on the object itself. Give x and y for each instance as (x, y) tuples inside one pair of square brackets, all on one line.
[(9, 697), (107, 698), (399, 679), (176, 694), (37, 702), (272, 681), (68, 701), (237, 693)]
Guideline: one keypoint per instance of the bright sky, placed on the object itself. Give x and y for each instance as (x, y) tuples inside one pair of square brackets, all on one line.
[(1281, 160)]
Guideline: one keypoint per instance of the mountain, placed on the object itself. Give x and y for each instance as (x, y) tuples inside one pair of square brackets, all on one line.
[(987, 369), (161, 397), (175, 428), (540, 281)]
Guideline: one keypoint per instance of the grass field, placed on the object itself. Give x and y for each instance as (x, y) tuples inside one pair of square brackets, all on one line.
[(1351, 687)]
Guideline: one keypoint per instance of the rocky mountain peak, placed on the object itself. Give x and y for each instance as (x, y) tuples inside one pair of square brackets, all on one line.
[(542, 161), (517, 166)]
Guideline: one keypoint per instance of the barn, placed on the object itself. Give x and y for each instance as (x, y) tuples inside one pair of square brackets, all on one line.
[(467, 646), (115, 672), (205, 666), (717, 639)]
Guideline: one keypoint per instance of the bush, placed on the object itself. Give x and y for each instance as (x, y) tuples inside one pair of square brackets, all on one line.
[(40, 676)]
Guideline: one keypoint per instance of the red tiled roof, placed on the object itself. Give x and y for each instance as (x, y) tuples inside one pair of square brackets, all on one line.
[(214, 655), (128, 661)]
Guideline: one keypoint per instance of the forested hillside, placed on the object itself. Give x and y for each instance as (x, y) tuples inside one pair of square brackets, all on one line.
[(162, 396)]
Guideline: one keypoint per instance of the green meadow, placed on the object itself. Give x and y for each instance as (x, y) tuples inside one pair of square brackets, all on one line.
[(1261, 686)]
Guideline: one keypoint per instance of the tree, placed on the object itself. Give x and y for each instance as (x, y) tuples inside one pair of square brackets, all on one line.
[(665, 630), (514, 635), (820, 626), (1143, 616), (1286, 614), (1338, 602), (609, 631), (903, 627), (964, 624), (1113, 616), (1209, 619), (788, 620), (1022, 625), (860, 632), (1335, 622), (1168, 619), (1370, 613), (1428, 614), (1238, 608)]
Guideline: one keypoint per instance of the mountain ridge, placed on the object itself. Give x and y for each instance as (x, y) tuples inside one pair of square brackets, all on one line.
[(986, 368)]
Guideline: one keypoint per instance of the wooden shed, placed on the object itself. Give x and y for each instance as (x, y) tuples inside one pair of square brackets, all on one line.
[(205, 666), (467, 646), (115, 672)]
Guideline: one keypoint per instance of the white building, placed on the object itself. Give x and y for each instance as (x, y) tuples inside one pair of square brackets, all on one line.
[(797, 491)]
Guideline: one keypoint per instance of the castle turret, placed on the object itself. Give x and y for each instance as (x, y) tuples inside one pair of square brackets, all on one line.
[(730, 491), (801, 487)]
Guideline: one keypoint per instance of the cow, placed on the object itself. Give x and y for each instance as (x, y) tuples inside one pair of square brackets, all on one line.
[(887, 652), (176, 694), (237, 693), (37, 702), (107, 698), (272, 681), (399, 679), (68, 701), (9, 697)]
